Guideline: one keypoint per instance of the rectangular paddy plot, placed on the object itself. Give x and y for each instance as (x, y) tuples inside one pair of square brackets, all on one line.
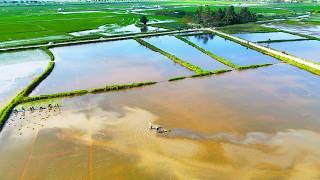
[(308, 29), (18, 69), (237, 117), (185, 52), (100, 64), (309, 49), (229, 50), (255, 37)]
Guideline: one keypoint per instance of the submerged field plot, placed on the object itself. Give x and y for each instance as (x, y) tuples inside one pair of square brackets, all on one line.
[(229, 50), (271, 36), (99, 64), (186, 52), (216, 127), (18, 69), (309, 50)]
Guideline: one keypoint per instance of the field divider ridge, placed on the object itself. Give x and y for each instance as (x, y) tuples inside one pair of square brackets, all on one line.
[(220, 59), (183, 63), (292, 60)]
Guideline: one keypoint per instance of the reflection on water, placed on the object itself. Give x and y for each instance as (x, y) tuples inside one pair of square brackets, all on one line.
[(115, 29), (309, 50), (96, 65), (222, 127), (254, 37), (231, 51), (17, 69), (182, 50)]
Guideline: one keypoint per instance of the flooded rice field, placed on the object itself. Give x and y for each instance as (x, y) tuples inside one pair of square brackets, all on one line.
[(186, 52), (231, 51), (308, 29), (309, 49), (96, 65), (255, 37), (218, 130), (18, 69)]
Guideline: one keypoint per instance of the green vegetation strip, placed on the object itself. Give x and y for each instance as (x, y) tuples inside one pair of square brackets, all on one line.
[(93, 91), (220, 59), (177, 78), (210, 73), (281, 58), (253, 66), (192, 67), (48, 52)]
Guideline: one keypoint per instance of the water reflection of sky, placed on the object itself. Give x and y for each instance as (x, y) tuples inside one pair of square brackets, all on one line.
[(18, 69), (249, 124)]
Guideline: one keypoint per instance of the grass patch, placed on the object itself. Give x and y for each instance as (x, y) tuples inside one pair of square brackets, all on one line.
[(220, 59), (192, 67), (177, 78)]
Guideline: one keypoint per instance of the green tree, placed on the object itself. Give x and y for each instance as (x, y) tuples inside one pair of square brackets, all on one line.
[(244, 15), (144, 20), (231, 16)]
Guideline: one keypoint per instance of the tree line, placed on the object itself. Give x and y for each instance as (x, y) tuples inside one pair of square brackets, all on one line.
[(227, 16)]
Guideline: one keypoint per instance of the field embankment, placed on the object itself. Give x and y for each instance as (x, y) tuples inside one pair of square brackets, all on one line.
[(183, 63), (295, 61), (6, 110)]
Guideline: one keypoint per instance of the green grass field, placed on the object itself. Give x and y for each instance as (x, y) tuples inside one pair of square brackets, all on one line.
[(44, 23)]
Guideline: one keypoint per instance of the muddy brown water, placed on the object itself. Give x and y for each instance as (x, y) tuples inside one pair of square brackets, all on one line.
[(258, 124)]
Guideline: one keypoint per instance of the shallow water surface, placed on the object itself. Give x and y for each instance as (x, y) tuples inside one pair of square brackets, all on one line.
[(218, 124), (254, 37), (185, 52), (96, 65), (313, 30), (309, 50), (231, 51), (18, 69)]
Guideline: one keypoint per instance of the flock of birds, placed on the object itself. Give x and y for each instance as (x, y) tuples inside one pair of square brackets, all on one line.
[(32, 118)]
